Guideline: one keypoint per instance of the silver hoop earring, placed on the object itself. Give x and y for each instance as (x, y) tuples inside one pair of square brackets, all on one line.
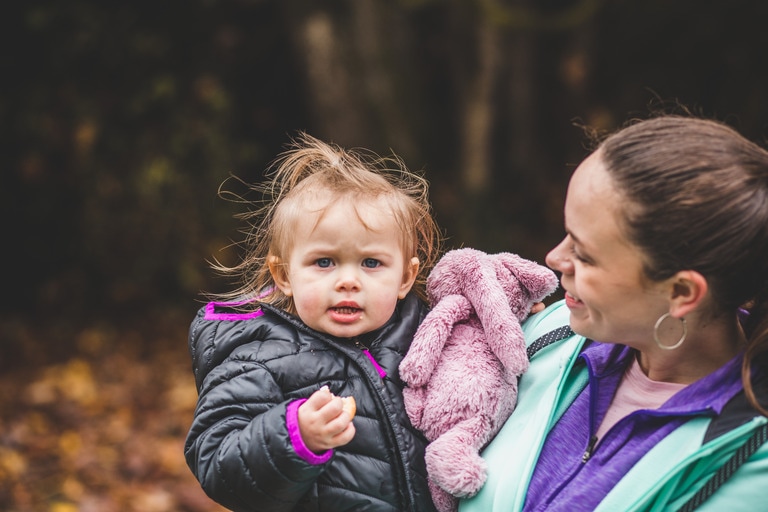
[(656, 333)]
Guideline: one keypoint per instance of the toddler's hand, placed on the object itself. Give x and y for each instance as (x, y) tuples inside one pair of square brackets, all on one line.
[(539, 306), (323, 423)]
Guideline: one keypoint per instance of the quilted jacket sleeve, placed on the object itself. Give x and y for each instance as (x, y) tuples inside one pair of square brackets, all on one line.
[(239, 446)]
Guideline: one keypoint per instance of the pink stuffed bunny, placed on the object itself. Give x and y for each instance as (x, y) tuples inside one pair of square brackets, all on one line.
[(462, 368)]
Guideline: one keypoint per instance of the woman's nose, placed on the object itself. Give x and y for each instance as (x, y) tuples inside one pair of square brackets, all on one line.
[(558, 258)]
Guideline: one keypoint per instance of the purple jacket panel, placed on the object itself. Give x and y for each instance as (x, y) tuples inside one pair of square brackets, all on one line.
[(566, 478)]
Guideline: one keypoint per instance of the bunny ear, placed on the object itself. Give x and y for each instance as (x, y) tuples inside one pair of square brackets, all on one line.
[(501, 326), (447, 276), (424, 353), (537, 279)]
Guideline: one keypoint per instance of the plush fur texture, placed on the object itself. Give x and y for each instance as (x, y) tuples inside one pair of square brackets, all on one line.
[(463, 365)]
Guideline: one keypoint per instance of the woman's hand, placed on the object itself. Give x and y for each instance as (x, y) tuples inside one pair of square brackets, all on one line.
[(324, 423)]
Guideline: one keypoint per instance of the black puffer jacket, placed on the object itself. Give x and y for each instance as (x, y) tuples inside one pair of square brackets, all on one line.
[(247, 372)]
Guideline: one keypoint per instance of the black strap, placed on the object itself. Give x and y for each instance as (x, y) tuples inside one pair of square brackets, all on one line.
[(549, 338), (741, 455), (738, 410)]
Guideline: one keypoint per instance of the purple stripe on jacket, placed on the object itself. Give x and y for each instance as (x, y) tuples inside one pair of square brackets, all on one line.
[(563, 482)]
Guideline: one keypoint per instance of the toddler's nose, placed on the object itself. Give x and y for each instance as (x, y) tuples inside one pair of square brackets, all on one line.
[(348, 279)]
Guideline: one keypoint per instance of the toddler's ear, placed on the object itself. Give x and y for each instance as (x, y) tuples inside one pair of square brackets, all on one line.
[(409, 276), (279, 275)]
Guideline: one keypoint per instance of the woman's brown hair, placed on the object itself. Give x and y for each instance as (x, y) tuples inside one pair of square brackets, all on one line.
[(697, 195)]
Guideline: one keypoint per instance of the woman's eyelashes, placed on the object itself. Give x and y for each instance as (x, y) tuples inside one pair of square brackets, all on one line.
[(576, 254)]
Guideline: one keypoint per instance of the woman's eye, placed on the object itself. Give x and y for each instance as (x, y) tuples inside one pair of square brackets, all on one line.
[(576, 255), (324, 262), (371, 263)]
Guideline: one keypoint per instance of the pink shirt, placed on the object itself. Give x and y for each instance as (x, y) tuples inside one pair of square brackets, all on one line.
[(636, 391)]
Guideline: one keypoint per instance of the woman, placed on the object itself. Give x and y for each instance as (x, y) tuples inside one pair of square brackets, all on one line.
[(665, 272)]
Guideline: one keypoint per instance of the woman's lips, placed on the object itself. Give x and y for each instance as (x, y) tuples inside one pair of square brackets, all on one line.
[(572, 301)]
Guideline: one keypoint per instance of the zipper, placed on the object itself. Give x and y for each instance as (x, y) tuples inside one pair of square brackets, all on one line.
[(376, 395), (359, 344), (593, 393), (590, 449)]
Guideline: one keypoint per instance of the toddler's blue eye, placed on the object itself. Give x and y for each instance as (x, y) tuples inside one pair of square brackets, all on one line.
[(324, 262), (371, 263)]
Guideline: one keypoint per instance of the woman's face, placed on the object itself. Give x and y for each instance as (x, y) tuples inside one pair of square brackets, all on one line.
[(609, 298)]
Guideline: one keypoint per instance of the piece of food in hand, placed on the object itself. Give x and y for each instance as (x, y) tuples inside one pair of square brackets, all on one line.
[(348, 404)]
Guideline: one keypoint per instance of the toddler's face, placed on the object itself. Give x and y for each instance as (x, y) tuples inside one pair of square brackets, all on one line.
[(345, 278)]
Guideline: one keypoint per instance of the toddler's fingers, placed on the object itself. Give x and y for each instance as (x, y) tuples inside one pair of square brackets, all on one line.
[(327, 427), (333, 409), (345, 436), (327, 408), (319, 399)]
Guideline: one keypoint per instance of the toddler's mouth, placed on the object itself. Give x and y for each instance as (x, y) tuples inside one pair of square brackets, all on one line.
[(346, 307), (345, 310)]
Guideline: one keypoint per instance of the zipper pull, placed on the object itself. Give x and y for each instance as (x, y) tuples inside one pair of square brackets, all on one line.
[(590, 449)]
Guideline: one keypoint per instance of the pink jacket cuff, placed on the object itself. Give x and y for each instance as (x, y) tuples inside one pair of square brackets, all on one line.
[(292, 422)]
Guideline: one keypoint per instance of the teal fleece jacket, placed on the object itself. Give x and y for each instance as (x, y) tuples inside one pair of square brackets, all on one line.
[(663, 479)]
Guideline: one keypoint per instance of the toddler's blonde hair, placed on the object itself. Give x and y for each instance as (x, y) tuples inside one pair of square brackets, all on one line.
[(326, 171)]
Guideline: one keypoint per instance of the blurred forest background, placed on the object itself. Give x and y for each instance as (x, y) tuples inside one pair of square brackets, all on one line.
[(119, 121)]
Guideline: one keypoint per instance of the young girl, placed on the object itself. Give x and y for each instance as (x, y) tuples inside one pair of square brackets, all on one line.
[(333, 284)]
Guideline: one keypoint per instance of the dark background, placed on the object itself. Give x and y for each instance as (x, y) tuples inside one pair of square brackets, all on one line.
[(119, 122)]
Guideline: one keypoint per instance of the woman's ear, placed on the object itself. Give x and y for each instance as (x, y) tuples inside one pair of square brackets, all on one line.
[(409, 277), (689, 289), (279, 274)]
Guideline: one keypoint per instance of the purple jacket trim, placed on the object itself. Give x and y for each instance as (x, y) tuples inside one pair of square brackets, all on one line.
[(562, 481), (292, 422), (382, 372), (211, 314)]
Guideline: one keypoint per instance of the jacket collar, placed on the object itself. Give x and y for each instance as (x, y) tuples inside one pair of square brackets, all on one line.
[(710, 392), (407, 316)]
